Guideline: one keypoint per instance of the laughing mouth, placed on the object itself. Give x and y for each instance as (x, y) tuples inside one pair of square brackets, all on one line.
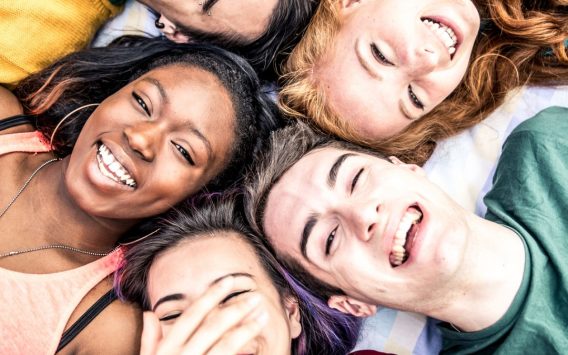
[(445, 33), (404, 236), (112, 168)]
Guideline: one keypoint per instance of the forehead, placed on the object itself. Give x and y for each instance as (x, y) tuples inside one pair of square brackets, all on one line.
[(302, 191), (181, 269)]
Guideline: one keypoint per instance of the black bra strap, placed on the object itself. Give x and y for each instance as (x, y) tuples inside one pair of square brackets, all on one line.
[(15, 121), (86, 318)]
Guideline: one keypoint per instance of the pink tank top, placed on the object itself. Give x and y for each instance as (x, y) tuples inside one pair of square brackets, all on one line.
[(34, 308)]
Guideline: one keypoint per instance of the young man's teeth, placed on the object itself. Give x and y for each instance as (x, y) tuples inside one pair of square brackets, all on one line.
[(119, 173), (398, 252), (444, 33)]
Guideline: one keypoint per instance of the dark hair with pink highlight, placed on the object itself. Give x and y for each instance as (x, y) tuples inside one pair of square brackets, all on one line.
[(324, 330)]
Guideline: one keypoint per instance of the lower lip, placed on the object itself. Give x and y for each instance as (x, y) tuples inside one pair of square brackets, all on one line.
[(101, 181)]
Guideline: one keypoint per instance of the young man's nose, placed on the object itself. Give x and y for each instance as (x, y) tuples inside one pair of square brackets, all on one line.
[(142, 139), (366, 221)]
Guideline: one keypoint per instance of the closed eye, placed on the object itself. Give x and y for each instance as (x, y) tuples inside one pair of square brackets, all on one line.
[(170, 317), (379, 56), (329, 241), (355, 179), (414, 99), (184, 153), (141, 102), (232, 295)]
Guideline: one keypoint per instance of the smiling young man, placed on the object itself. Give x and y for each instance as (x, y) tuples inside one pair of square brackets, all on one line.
[(362, 231)]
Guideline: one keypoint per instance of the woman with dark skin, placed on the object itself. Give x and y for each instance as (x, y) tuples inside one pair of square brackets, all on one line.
[(167, 120)]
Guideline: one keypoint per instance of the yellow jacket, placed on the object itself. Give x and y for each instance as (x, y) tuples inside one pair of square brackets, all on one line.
[(35, 33)]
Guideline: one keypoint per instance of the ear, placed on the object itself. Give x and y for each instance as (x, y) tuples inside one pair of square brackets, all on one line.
[(294, 317), (346, 6), (412, 167), (346, 304)]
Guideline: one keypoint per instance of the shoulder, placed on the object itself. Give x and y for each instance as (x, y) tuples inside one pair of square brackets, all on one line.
[(116, 330), (9, 104), (550, 121)]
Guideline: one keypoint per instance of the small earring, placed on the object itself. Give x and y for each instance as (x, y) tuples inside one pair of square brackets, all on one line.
[(208, 13), (201, 3), (159, 25)]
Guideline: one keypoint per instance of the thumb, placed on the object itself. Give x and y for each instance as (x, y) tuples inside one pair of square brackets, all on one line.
[(151, 334)]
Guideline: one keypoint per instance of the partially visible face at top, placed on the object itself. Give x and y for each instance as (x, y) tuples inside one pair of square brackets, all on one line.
[(181, 274), (151, 144), (245, 19), (381, 232), (393, 61)]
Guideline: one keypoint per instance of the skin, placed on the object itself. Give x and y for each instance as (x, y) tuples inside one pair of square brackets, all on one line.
[(179, 271), (87, 210), (360, 214), (145, 143), (373, 91), (244, 19)]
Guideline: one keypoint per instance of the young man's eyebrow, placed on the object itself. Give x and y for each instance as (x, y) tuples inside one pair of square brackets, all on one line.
[(208, 4), (310, 223), (332, 176), (172, 297)]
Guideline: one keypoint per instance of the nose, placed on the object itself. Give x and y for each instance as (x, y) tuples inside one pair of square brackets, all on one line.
[(143, 138), (366, 221), (423, 57)]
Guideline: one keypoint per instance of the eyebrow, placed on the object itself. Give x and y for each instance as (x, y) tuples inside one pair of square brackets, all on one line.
[(208, 4), (332, 176), (180, 296), (365, 64), (233, 274), (306, 232), (405, 112), (203, 139), (158, 85), (172, 297), (313, 218)]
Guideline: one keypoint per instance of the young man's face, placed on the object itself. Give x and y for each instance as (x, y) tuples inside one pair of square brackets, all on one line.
[(379, 231), (243, 19)]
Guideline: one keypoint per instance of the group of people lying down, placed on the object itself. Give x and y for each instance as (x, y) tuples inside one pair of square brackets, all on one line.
[(157, 199)]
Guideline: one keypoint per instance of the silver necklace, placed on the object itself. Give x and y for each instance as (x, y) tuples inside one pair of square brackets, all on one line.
[(43, 247)]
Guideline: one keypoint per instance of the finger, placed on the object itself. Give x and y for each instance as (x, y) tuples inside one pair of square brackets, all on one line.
[(219, 322), (151, 334), (191, 318), (235, 339)]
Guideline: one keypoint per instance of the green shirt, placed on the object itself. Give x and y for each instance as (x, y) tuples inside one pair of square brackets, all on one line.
[(530, 196)]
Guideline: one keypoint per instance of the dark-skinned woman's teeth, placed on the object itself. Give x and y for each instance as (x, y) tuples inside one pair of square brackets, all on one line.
[(111, 168)]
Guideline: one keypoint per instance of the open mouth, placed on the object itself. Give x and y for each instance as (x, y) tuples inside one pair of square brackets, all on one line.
[(404, 236), (444, 32), (112, 168)]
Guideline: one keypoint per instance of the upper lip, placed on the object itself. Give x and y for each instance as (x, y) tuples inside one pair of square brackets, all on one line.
[(451, 25), (123, 158)]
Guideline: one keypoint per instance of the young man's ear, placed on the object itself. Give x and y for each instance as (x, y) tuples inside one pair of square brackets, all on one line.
[(346, 304), (412, 167), (294, 317)]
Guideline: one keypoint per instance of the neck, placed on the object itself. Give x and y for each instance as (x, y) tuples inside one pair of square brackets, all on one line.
[(489, 277), (62, 221)]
